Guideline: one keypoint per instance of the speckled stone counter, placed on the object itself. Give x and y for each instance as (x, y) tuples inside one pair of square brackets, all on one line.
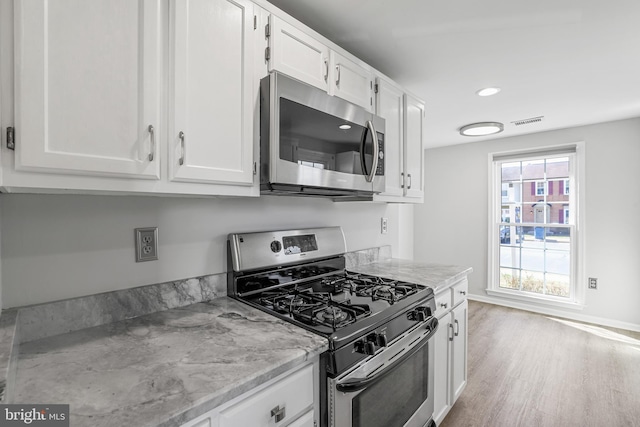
[(161, 369), (436, 276)]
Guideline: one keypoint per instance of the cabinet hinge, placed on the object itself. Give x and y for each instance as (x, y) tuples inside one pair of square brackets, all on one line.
[(375, 88), (255, 22), (267, 53), (11, 138), (267, 30), (255, 168)]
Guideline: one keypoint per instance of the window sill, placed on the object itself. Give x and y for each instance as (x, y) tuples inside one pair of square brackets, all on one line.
[(539, 301)]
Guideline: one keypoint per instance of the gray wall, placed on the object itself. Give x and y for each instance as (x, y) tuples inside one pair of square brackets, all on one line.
[(451, 227), (62, 246)]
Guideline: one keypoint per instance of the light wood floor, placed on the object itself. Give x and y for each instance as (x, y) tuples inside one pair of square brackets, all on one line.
[(527, 369)]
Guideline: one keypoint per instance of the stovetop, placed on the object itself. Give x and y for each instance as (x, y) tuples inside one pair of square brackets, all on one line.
[(329, 303), (337, 300)]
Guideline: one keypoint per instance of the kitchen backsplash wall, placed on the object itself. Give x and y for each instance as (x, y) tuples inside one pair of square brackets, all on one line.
[(63, 246)]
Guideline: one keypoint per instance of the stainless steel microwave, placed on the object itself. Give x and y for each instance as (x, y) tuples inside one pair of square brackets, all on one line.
[(314, 144)]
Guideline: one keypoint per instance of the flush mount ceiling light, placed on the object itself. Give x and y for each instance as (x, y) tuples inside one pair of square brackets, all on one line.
[(345, 127), (481, 129), (488, 91)]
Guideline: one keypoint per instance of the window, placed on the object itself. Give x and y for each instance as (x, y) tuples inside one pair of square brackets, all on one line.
[(533, 234)]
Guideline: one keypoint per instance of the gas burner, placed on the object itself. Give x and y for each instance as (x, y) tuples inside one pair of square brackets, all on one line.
[(333, 315), (382, 292)]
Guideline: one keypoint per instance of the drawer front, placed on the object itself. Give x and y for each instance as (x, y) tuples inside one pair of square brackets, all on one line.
[(304, 421), (460, 290), (287, 399), (443, 303)]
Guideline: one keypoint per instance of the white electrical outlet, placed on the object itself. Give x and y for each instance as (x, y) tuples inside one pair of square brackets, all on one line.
[(146, 244), (593, 283), (384, 226)]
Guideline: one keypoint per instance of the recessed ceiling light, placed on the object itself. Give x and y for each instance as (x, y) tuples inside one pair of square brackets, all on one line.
[(345, 127), (488, 91), (481, 129)]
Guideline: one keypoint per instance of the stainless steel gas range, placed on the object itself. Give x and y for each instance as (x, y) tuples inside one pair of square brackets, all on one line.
[(378, 371)]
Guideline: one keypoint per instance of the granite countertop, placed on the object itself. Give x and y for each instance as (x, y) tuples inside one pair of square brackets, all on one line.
[(436, 276), (161, 369)]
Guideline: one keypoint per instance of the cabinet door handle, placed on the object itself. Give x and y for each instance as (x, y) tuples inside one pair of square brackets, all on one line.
[(402, 179), (409, 178), (152, 149), (337, 75), (451, 329), (278, 413), (444, 305), (181, 159), (463, 292), (326, 70), (457, 328)]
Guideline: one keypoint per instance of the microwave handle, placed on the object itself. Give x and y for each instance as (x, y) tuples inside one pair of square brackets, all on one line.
[(357, 384), (376, 152)]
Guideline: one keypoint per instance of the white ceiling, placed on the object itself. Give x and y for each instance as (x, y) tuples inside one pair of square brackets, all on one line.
[(574, 62)]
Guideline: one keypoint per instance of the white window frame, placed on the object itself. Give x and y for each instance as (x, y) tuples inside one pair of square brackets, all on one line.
[(576, 216), (544, 188)]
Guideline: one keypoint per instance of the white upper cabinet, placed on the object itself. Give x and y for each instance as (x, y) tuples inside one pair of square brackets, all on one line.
[(297, 54), (413, 155), (210, 137), (390, 106), (351, 81), (88, 87)]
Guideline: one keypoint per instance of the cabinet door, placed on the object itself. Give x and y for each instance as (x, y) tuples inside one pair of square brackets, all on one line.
[(389, 106), (211, 109), (414, 129), (441, 394), (88, 87), (351, 81), (459, 359), (298, 55)]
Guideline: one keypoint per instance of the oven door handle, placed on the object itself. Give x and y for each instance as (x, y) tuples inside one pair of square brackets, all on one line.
[(357, 384)]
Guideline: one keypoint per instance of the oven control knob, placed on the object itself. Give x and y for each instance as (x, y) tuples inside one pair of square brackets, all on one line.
[(382, 340), (276, 246), (377, 339), (423, 313), (365, 347), (420, 314)]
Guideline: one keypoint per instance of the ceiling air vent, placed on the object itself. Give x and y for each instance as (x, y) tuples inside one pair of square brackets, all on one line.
[(528, 121)]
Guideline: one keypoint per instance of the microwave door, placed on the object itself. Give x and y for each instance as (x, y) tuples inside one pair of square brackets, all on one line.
[(318, 149)]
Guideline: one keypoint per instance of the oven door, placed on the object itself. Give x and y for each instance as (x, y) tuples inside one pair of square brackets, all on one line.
[(311, 139), (394, 388)]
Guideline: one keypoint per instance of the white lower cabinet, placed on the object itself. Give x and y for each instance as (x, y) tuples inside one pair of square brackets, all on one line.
[(307, 420), (459, 315), (450, 359), (287, 401)]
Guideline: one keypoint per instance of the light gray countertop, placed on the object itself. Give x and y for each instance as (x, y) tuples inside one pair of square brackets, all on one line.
[(436, 276), (161, 369)]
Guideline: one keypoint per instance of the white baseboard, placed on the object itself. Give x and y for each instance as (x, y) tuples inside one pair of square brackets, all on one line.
[(557, 313)]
